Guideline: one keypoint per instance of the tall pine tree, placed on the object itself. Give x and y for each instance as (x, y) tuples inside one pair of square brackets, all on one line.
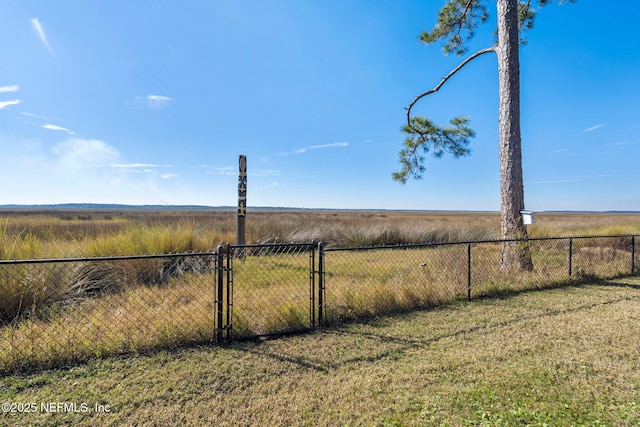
[(456, 25)]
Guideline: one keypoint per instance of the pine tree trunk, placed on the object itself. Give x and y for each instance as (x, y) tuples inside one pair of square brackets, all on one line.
[(515, 256)]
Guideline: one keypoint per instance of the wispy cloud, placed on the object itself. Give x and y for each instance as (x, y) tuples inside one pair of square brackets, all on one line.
[(156, 102), (227, 170), (266, 172), (272, 185), (168, 175), (75, 154), (36, 116), (58, 128), (9, 89), (138, 165), (5, 104), (76, 168), (37, 27), (171, 49), (313, 147), (12, 88), (592, 128), (618, 143), (562, 150)]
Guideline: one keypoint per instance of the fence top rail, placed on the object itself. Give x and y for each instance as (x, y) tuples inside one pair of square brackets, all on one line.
[(105, 258), (274, 245), (472, 242)]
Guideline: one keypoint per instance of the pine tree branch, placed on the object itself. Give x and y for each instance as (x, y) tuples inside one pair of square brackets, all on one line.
[(458, 22), (444, 80)]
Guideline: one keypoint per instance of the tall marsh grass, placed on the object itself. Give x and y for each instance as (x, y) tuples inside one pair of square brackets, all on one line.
[(133, 320), (28, 291), (56, 312), (58, 234)]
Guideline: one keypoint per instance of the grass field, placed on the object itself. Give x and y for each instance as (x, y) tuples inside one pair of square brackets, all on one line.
[(65, 312), (60, 233), (561, 357)]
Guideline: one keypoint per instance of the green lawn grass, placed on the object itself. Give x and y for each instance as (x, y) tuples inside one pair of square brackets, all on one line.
[(566, 356)]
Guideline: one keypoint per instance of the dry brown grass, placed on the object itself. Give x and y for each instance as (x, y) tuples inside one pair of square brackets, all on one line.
[(140, 304), (561, 357), (135, 319), (65, 233)]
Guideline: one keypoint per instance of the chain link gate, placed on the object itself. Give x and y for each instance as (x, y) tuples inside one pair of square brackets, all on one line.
[(266, 289)]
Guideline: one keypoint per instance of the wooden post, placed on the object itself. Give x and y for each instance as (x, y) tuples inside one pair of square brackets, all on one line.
[(242, 199)]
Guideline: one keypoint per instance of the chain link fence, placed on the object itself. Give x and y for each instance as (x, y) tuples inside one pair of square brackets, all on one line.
[(58, 311), (372, 281), (365, 282), (556, 261)]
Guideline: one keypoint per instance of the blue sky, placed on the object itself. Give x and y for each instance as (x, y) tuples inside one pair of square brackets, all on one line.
[(151, 102)]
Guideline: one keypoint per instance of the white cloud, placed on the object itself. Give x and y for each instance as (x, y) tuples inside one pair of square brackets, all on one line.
[(562, 150), (76, 154), (227, 170), (37, 27), (78, 170), (592, 128), (266, 172), (313, 147), (58, 128), (36, 116), (168, 175), (12, 88), (138, 165), (272, 185), (5, 104), (335, 144), (618, 143), (156, 102)]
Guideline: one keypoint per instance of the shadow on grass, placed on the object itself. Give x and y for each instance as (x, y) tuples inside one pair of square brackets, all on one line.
[(618, 283), (579, 282), (400, 345)]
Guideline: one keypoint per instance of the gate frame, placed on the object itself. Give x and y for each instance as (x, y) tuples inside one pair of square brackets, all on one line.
[(224, 301)]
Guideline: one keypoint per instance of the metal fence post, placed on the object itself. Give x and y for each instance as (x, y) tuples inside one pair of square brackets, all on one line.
[(219, 293), (570, 256), (312, 285), (231, 254), (633, 255), (320, 284), (469, 271)]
